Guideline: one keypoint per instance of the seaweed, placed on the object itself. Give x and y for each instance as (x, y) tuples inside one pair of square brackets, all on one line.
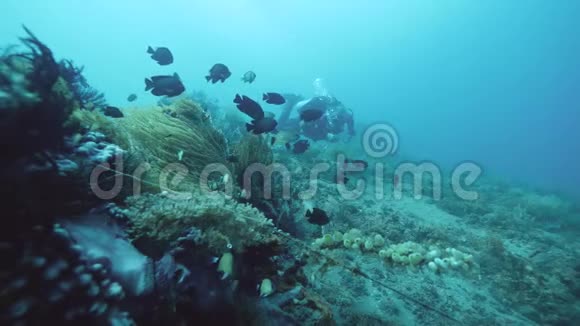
[(180, 135), (35, 101), (35, 104), (45, 71), (88, 97)]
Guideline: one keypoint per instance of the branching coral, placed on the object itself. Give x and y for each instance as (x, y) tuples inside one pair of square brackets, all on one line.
[(36, 102), (84, 120), (221, 219), (87, 96), (45, 71)]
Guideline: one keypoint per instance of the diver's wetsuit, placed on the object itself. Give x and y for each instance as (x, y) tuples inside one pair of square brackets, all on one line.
[(333, 121)]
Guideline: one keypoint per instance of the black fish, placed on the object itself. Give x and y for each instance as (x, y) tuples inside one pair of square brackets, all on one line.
[(249, 107), (219, 72), (261, 126), (273, 98), (300, 146), (249, 77), (272, 141), (164, 85), (113, 112), (311, 115), (162, 55), (317, 216), (132, 98)]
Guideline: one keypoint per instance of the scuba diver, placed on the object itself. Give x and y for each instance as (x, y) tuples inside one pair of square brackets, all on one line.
[(333, 122)]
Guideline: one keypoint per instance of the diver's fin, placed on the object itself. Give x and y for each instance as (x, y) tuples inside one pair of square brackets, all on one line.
[(149, 84)]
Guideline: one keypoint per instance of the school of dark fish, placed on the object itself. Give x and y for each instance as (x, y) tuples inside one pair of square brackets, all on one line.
[(262, 122)]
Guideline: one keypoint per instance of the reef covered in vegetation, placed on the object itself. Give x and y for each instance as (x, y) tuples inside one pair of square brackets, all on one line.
[(93, 237)]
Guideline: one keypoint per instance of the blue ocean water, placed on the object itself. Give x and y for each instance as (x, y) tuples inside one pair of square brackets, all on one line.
[(491, 83), (495, 82)]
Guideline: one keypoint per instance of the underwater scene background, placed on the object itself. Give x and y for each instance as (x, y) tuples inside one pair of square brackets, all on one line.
[(250, 162)]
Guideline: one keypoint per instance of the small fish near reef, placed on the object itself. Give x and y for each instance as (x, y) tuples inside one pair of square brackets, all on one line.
[(132, 98), (299, 147), (249, 77), (162, 55), (113, 112), (249, 107), (317, 216), (261, 126), (219, 72), (311, 115), (273, 98), (285, 136), (168, 85)]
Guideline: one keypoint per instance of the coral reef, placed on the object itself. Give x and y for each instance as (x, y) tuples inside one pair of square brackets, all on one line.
[(251, 150), (51, 279), (408, 253), (36, 102), (84, 121), (224, 223), (233, 123), (194, 255), (83, 269), (37, 141), (94, 149), (103, 241), (14, 86), (179, 137), (88, 97)]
